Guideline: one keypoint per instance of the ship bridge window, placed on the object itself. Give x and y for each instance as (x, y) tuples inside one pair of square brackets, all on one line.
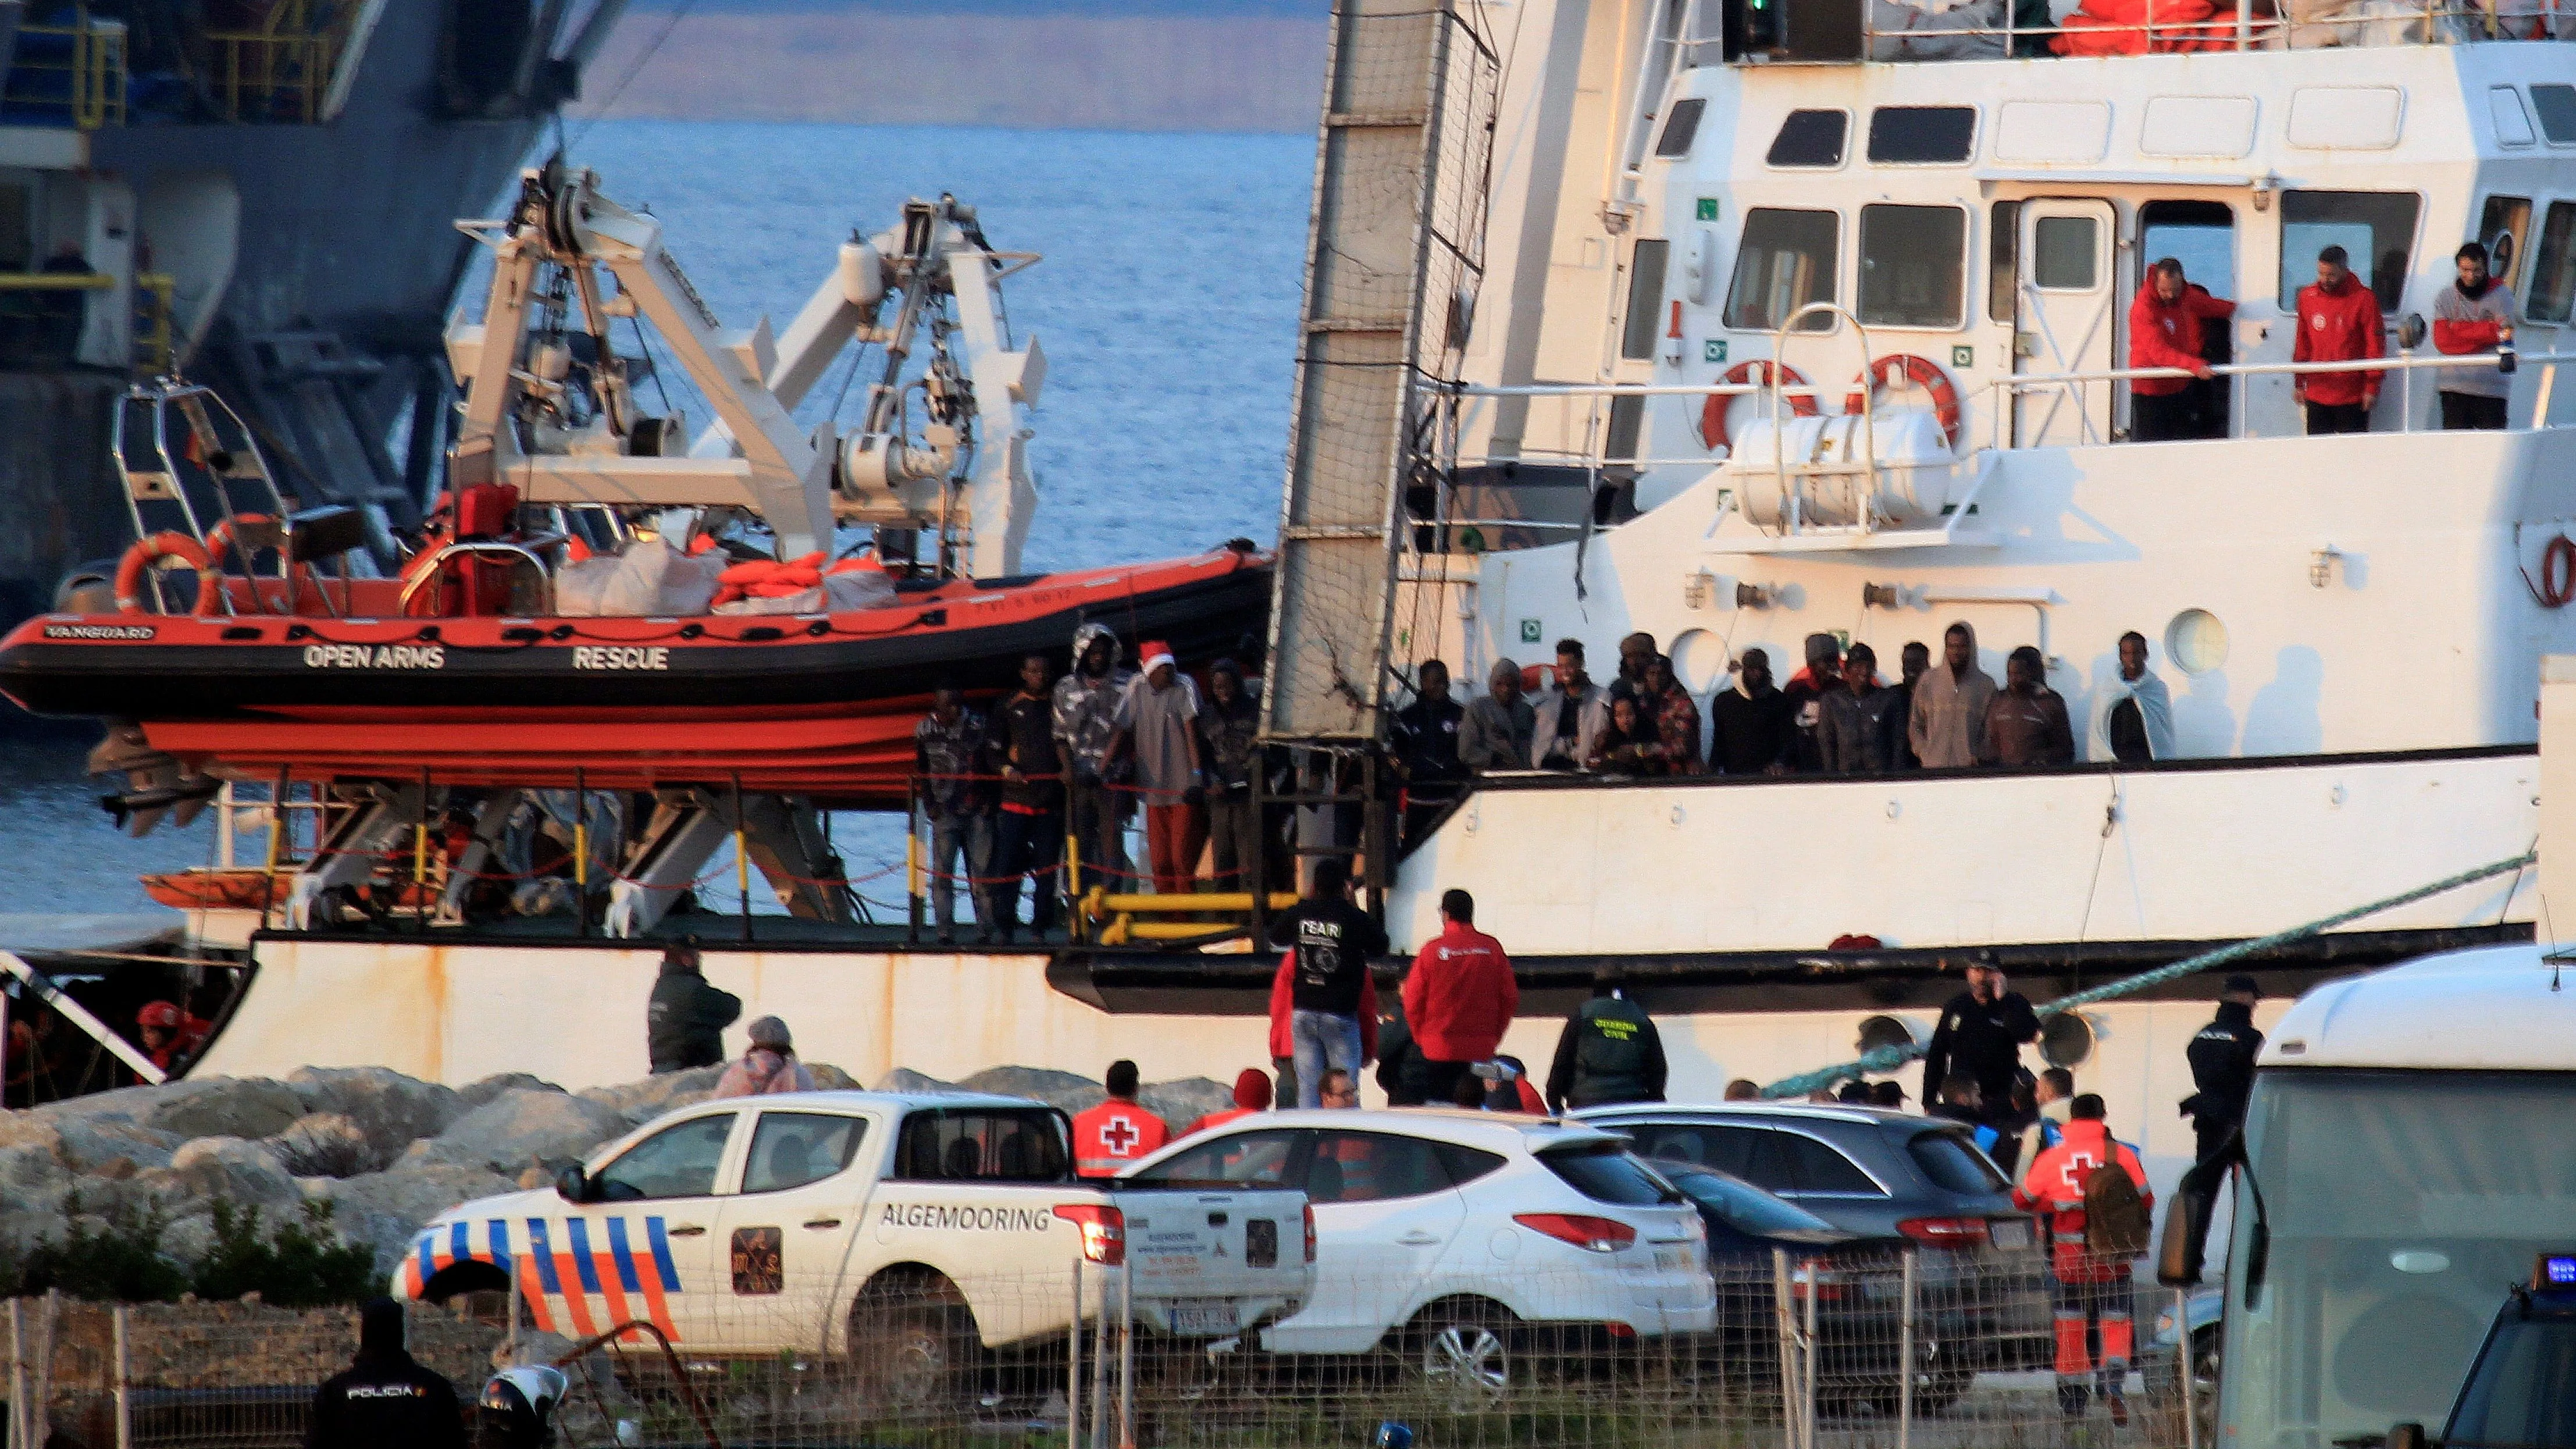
[(2376, 229), (1810, 138), (1921, 135), (1786, 260), (1913, 265), (1681, 127), (2199, 234), (2553, 271), (2557, 107)]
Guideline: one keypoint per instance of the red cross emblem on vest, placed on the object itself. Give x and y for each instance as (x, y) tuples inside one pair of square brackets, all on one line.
[(1119, 1136)]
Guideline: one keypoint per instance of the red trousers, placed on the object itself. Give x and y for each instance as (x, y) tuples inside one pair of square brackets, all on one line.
[(1174, 835)]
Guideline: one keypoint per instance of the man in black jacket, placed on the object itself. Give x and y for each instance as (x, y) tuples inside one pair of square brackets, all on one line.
[(1609, 1051), (2222, 1066), (385, 1400), (1028, 833), (1752, 722), (686, 1018), (1980, 1036)]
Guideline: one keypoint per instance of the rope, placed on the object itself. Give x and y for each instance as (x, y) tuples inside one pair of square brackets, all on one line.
[(1889, 1058)]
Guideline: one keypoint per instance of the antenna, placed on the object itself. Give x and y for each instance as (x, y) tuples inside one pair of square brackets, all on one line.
[(2557, 959)]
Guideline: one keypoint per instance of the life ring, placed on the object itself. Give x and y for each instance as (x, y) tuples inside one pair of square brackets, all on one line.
[(147, 554), (2557, 572), (1712, 414), (251, 532), (1924, 373)]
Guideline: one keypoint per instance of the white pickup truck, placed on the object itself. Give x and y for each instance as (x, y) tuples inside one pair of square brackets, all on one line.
[(906, 1229)]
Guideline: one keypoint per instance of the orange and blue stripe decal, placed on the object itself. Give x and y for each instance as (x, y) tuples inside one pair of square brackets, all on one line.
[(610, 1291), (648, 1286), (662, 1256)]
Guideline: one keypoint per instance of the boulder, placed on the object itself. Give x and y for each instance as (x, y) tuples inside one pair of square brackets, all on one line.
[(905, 1079), (384, 1210), (391, 1110), (249, 1107), (1185, 1101), (211, 1167), (475, 1093), (91, 1146), (640, 1102), (520, 1127), (830, 1078), (327, 1144)]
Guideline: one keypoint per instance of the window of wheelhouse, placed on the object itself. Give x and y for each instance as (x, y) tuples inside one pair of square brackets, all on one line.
[(2553, 270), (2504, 229), (1786, 260), (1810, 139), (2557, 107), (1922, 135), (2003, 244), (2376, 229), (1913, 266)]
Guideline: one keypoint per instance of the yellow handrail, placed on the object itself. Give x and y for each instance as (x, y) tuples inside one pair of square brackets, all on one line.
[(94, 93)]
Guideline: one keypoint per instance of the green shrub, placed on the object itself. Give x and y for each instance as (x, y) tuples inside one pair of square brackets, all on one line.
[(122, 1262), (301, 1266)]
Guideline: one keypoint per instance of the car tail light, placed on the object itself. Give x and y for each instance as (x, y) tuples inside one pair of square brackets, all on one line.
[(1945, 1232), (1310, 1232), (1593, 1235), (1621, 1330), (1104, 1231), (1813, 1280)]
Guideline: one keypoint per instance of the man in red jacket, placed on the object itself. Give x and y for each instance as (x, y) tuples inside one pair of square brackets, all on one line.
[(1459, 997), (2165, 330), (2089, 1291), (2338, 322)]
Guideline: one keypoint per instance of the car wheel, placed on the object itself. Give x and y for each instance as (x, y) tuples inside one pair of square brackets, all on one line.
[(915, 1348), (1465, 1353), (2206, 1357)]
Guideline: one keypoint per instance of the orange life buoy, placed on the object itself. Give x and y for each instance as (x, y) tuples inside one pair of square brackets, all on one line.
[(1924, 373), (2557, 573), (220, 543), (1712, 414), (149, 553)]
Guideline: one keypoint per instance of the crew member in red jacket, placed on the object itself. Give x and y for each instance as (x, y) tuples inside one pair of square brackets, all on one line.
[(2338, 322), (1459, 997), (1117, 1134), (2089, 1291), (2165, 330)]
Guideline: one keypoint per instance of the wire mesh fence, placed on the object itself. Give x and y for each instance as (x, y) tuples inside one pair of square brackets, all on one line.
[(1814, 1349)]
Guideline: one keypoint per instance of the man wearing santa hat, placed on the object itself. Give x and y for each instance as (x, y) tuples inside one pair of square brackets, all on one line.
[(1157, 723)]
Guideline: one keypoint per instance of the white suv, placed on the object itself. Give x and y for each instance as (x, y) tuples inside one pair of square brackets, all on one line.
[(1448, 1235)]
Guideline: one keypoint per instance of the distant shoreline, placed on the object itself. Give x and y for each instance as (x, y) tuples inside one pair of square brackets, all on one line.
[(1116, 73)]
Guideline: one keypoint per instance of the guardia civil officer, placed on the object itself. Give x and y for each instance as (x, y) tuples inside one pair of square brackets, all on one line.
[(686, 1017), (386, 1399), (1610, 1051)]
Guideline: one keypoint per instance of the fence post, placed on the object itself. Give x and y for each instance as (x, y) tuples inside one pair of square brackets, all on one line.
[(1785, 1330), (1126, 1358), (2183, 1352), (39, 1425), (516, 1302), (1807, 1350), (1100, 1368), (124, 1377), (1073, 1367), (17, 1427), (1905, 1355)]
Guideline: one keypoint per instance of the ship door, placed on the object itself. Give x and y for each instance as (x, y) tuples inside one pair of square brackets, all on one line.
[(2065, 319)]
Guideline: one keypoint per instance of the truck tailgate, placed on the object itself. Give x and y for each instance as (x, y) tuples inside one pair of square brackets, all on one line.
[(1214, 1262)]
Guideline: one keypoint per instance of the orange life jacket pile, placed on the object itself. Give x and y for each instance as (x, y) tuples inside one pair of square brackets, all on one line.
[(2120, 27), (771, 579)]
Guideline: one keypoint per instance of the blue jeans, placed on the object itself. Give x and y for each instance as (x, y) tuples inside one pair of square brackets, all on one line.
[(1323, 1041)]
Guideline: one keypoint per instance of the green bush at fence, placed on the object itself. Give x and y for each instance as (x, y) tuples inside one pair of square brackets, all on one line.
[(300, 1265)]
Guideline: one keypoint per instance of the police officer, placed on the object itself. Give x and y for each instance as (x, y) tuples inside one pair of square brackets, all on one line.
[(686, 1018), (2222, 1066), (1980, 1036), (385, 1400), (1609, 1052)]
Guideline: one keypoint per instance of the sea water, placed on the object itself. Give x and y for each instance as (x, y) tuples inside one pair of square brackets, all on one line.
[(1165, 303)]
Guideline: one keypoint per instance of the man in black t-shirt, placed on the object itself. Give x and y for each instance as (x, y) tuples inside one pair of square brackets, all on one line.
[(1333, 941)]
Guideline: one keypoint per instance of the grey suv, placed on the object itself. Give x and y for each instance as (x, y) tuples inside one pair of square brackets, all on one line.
[(1981, 1268)]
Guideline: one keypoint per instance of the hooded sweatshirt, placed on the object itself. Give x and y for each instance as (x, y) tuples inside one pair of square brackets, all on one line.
[(1948, 725), (2170, 334), (1086, 709), (2338, 326), (1251, 1094), (761, 1071)]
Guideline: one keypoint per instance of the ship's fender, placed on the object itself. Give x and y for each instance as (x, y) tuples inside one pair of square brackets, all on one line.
[(147, 553)]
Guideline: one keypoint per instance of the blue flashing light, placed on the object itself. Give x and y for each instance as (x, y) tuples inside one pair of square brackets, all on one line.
[(2557, 1270)]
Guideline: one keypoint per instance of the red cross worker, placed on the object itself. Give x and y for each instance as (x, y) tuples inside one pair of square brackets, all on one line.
[(1117, 1134)]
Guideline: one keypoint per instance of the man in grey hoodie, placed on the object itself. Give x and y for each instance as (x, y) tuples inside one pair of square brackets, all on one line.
[(1495, 732), (1947, 727), (2474, 318)]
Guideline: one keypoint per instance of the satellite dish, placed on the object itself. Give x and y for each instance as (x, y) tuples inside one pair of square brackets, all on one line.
[(2066, 1040)]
